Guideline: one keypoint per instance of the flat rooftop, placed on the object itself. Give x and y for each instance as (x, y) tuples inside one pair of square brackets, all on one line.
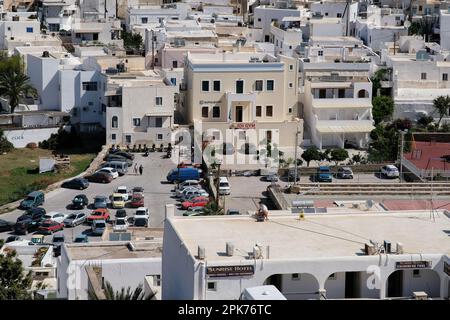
[(115, 250), (317, 236), (228, 57)]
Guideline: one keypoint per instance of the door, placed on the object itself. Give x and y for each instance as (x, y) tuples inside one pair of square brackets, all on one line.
[(351, 285), (239, 114), (395, 284), (239, 86), (158, 122)]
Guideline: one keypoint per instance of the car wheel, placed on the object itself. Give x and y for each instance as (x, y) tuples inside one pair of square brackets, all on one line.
[(81, 188)]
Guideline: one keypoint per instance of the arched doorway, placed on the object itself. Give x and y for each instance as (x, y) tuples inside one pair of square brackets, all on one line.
[(363, 93), (403, 283), (351, 285), (295, 286)]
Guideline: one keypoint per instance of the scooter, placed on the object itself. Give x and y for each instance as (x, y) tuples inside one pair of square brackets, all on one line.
[(146, 153)]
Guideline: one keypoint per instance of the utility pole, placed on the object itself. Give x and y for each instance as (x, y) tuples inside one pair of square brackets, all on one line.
[(395, 40), (402, 133), (153, 50), (295, 157), (217, 181)]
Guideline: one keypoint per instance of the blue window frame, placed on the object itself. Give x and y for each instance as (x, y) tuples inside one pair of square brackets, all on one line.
[(30, 29)]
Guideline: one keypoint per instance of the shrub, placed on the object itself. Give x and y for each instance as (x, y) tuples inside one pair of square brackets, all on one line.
[(31, 145)]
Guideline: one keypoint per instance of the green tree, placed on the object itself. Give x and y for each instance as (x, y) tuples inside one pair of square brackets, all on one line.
[(133, 42), (441, 104), (15, 86), (376, 80), (310, 154), (123, 294), (424, 121), (338, 155), (14, 285), (357, 158), (424, 27), (212, 208), (382, 108), (5, 145)]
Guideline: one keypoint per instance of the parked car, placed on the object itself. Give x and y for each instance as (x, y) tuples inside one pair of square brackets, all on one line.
[(390, 171), (6, 225), (182, 174), (98, 227), (117, 201), (34, 199), (13, 238), (80, 201), (137, 200), (271, 178), (113, 157), (81, 238), (55, 216), (121, 213), (120, 224), (50, 226), (100, 202), (75, 219), (224, 186), (111, 171), (195, 202), (58, 240), (141, 222), (77, 183), (100, 177), (120, 166), (193, 213), (233, 212), (142, 212), (345, 173), (182, 191), (324, 174), (138, 190), (188, 183), (196, 209), (124, 192), (36, 214), (29, 221), (99, 214), (122, 154), (194, 194)]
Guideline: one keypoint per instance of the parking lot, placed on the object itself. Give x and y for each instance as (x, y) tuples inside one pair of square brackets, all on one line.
[(357, 178), (157, 193)]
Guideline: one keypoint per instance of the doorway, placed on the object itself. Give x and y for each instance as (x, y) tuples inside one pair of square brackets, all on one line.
[(239, 113), (352, 285), (395, 284), (239, 86)]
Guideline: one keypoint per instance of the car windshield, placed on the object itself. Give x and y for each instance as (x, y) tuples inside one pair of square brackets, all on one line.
[(58, 239), (118, 199), (324, 170), (121, 191), (141, 213), (120, 222), (391, 169), (97, 213), (100, 199), (78, 199), (29, 198), (223, 184), (100, 225), (79, 239)]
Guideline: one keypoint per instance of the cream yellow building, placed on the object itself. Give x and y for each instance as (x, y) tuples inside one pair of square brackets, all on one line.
[(243, 92)]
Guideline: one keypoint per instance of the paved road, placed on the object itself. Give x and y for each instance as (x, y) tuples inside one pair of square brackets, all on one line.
[(157, 193)]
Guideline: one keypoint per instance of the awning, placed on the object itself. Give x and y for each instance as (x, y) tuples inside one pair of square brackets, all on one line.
[(344, 103), (345, 126)]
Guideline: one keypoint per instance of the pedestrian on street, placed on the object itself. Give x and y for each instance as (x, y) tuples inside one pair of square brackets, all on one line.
[(135, 168), (141, 169)]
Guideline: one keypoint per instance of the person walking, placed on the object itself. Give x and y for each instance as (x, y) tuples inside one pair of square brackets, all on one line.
[(141, 169), (135, 168)]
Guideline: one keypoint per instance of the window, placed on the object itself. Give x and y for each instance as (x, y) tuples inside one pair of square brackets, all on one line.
[(320, 53), (205, 85), (144, 20), (205, 111), (423, 76), (259, 19), (159, 136), (445, 77), (332, 276), (338, 15), (90, 86), (136, 122), (269, 85), (216, 112), (239, 86), (269, 111), (341, 93), (269, 135), (174, 64), (29, 29), (259, 85), (322, 93), (95, 36), (291, 85), (174, 81), (113, 136), (158, 122), (159, 101), (291, 67), (242, 135), (258, 111), (363, 93), (290, 110), (128, 138), (295, 276), (114, 122), (416, 273), (216, 85), (78, 35)]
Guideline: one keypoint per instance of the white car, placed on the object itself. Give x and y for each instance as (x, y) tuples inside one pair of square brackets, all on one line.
[(390, 171), (120, 224), (188, 183), (124, 191), (111, 171), (194, 193), (224, 186), (142, 212), (55, 216), (180, 192)]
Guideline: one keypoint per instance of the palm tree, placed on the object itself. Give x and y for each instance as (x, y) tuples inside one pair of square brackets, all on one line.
[(442, 105), (15, 86), (110, 294)]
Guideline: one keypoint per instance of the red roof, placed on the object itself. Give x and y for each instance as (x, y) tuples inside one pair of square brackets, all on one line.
[(416, 204), (426, 155)]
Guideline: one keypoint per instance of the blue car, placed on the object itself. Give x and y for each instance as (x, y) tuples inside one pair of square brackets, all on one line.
[(81, 238), (178, 175), (324, 174)]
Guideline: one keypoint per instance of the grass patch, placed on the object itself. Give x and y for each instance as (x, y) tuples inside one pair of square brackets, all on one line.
[(19, 172)]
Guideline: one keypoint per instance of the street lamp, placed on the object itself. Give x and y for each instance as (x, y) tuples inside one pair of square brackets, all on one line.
[(402, 135)]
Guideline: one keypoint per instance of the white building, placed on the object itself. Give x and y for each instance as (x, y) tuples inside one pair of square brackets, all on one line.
[(58, 15), (103, 31), (142, 15), (444, 29), (286, 36), (122, 264), (319, 257)]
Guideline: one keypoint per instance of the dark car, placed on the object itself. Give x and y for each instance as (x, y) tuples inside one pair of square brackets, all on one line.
[(58, 240), (233, 212), (124, 154), (12, 239), (6, 225), (80, 201), (50, 226), (121, 213), (101, 177), (26, 225), (141, 222), (35, 214), (77, 183), (113, 157), (138, 190), (33, 199)]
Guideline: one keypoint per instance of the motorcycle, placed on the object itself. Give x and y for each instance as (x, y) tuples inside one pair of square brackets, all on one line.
[(146, 153)]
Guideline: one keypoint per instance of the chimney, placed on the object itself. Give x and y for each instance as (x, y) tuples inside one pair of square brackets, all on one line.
[(201, 253), (400, 248), (170, 211), (420, 295), (230, 249)]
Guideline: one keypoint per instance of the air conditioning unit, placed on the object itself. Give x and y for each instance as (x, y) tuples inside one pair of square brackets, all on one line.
[(369, 249)]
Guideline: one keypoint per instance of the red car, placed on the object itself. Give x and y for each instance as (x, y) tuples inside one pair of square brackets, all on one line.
[(99, 214), (137, 200), (195, 202), (50, 226), (188, 165)]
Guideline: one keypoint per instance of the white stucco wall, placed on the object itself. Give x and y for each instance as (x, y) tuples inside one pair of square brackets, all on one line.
[(20, 138)]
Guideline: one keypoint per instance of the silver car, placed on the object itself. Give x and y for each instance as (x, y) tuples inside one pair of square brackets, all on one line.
[(75, 219)]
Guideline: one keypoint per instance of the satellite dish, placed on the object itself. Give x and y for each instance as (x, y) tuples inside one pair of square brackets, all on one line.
[(407, 24), (369, 203)]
